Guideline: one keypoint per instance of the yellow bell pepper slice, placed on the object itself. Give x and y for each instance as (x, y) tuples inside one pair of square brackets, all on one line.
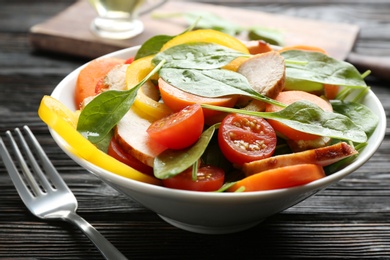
[(135, 73), (235, 64), (63, 121), (207, 35)]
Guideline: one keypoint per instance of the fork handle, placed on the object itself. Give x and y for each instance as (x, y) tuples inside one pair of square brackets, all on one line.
[(104, 246)]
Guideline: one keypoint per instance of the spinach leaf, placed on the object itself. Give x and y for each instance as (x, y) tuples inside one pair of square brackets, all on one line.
[(212, 83), (207, 83), (321, 68), (270, 35), (358, 113), (105, 142), (152, 46), (214, 156), (210, 20), (101, 114), (172, 162), (205, 20), (303, 85), (309, 118), (197, 56)]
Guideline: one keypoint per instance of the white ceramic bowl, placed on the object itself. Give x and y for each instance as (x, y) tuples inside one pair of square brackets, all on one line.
[(213, 213)]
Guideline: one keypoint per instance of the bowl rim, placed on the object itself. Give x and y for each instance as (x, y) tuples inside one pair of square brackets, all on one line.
[(374, 144)]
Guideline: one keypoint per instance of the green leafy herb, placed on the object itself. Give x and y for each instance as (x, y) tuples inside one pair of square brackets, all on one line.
[(270, 35), (203, 56), (105, 110), (105, 142), (359, 97), (322, 68), (172, 162), (214, 156), (195, 168), (207, 83), (205, 20), (152, 46), (194, 68), (309, 118), (225, 187), (212, 83), (345, 93), (358, 113), (208, 20), (303, 85)]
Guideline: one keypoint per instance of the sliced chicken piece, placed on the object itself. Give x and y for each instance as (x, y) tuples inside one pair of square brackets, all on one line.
[(302, 145), (266, 73), (116, 78), (321, 156), (132, 136)]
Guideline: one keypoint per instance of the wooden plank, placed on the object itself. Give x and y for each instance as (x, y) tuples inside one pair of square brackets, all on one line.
[(69, 33)]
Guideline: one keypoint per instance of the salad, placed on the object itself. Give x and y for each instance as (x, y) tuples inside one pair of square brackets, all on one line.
[(205, 111)]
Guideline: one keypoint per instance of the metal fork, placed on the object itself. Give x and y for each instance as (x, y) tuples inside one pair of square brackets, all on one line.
[(43, 190)]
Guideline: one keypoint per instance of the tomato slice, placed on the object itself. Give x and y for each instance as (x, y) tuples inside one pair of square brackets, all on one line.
[(116, 151), (244, 138), (178, 130), (209, 178), (129, 60)]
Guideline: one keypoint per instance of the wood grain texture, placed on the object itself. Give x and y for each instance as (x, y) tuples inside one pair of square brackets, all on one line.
[(348, 220), (69, 32)]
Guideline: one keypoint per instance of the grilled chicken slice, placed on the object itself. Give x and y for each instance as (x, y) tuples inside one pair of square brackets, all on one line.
[(132, 136), (266, 75), (321, 156)]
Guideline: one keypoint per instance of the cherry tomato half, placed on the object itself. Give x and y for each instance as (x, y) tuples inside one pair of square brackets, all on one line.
[(178, 130), (129, 60), (209, 178), (116, 151), (244, 138)]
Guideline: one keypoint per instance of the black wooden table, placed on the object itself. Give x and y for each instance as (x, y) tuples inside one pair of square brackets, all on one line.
[(350, 219)]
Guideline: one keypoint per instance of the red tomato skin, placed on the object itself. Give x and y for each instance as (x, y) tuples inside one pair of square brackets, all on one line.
[(210, 178), (129, 60), (234, 129), (100, 86), (116, 151), (178, 130)]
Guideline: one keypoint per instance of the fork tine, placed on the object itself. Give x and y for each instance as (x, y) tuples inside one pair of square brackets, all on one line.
[(32, 160), (50, 170), (59, 203), (16, 178), (26, 170)]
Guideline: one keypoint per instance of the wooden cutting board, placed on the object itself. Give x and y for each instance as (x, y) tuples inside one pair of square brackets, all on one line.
[(69, 33)]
